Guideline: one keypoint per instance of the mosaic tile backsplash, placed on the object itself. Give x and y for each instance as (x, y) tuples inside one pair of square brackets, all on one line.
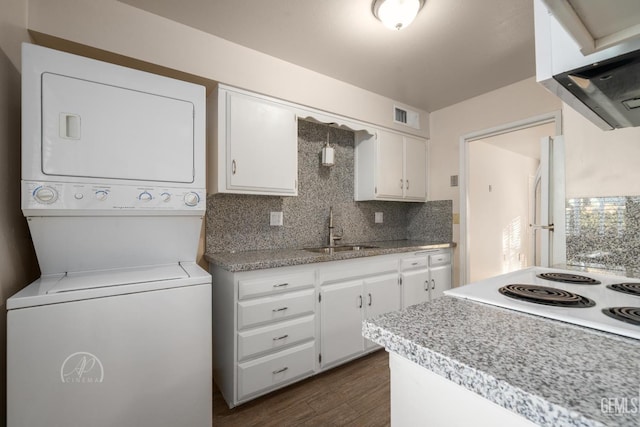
[(604, 232), (241, 222)]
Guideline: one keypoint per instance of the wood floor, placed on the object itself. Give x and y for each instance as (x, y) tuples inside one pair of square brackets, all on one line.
[(355, 394)]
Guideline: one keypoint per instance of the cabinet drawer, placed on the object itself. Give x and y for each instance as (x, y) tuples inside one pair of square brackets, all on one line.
[(417, 262), (248, 288), (273, 337), (439, 259), (279, 307), (270, 371)]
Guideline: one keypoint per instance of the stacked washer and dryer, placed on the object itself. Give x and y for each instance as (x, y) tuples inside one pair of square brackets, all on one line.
[(117, 331)]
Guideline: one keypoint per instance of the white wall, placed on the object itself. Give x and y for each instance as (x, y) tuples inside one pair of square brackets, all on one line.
[(18, 264), (499, 218), (125, 30), (600, 163), (511, 103)]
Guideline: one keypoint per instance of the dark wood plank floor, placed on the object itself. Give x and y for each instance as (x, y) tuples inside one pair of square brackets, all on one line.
[(354, 394)]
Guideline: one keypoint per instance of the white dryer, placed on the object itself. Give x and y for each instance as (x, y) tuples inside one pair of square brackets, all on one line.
[(117, 331)]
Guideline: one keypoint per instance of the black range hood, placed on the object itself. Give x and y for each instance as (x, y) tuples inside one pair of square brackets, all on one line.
[(610, 88)]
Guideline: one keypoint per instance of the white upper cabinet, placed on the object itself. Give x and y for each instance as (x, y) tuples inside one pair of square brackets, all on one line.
[(597, 25), (256, 145), (415, 170), (390, 166)]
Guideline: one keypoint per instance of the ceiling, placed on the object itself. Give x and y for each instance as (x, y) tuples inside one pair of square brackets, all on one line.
[(454, 50)]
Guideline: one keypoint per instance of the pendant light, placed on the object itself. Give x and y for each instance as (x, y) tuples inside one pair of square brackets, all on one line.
[(328, 153), (396, 14)]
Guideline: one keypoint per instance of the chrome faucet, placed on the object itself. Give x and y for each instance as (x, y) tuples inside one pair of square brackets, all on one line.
[(332, 236)]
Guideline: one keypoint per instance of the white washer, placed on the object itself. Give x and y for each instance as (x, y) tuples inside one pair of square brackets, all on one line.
[(111, 354), (117, 331)]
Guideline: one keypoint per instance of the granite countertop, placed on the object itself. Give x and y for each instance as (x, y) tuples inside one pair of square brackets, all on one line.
[(550, 372), (255, 260)]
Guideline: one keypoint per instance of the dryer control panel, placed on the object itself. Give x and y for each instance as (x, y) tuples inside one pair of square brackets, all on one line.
[(47, 198)]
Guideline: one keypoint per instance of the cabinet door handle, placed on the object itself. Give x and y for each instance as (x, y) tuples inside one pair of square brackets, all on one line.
[(281, 338), (407, 184), (401, 183), (433, 283), (360, 296), (370, 300), (280, 370), (280, 285), (275, 310), (233, 167), (426, 286)]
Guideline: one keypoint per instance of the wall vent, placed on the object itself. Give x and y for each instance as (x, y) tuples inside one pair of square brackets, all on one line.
[(406, 117)]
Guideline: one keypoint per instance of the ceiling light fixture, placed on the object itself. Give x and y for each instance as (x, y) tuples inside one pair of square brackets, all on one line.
[(396, 14)]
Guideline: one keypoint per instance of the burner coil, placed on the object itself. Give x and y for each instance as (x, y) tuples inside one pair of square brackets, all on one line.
[(546, 296)]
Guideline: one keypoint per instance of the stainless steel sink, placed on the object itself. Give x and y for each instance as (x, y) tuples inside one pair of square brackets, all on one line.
[(341, 248)]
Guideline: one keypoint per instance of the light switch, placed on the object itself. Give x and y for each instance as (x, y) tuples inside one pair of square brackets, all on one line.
[(378, 218), (276, 219)]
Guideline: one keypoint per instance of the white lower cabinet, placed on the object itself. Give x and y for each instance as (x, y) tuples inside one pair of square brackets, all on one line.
[(266, 339), (341, 324), (382, 295), (425, 277), (276, 326), (268, 372)]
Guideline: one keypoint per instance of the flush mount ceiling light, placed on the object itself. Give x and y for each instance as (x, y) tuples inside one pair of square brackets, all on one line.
[(396, 14)]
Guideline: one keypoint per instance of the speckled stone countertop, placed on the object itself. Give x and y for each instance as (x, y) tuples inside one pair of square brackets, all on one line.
[(550, 372), (255, 260)]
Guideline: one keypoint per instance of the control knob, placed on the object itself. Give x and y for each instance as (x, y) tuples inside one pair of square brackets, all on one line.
[(191, 199), (102, 195), (45, 194), (165, 197), (145, 196)]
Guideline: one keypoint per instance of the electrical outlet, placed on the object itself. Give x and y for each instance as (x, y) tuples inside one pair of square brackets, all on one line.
[(378, 218), (276, 219)]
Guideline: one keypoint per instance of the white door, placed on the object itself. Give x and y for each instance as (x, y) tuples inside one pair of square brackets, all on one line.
[(440, 280), (262, 145), (415, 287), (341, 311), (547, 228), (95, 130), (382, 295), (390, 179), (415, 169)]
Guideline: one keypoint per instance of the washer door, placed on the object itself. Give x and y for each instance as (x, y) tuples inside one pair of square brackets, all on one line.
[(95, 130)]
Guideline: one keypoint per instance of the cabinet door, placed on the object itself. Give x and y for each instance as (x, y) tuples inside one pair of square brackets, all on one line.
[(440, 280), (341, 311), (390, 179), (415, 287), (262, 146), (415, 173), (381, 295)]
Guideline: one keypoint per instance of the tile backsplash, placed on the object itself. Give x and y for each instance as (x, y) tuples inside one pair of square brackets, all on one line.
[(241, 222), (604, 232)]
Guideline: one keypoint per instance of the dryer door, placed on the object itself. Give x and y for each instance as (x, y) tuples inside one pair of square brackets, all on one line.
[(95, 130)]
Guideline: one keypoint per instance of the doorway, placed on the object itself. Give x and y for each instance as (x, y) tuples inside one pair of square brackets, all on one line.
[(500, 168)]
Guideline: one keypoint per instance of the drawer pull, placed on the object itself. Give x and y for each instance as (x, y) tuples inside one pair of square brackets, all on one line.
[(280, 370), (370, 300), (275, 310), (281, 338), (433, 283), (414, 263), (426, 287), (280, 285)]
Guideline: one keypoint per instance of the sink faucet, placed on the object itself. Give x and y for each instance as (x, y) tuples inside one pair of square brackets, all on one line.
[(332, 236)]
